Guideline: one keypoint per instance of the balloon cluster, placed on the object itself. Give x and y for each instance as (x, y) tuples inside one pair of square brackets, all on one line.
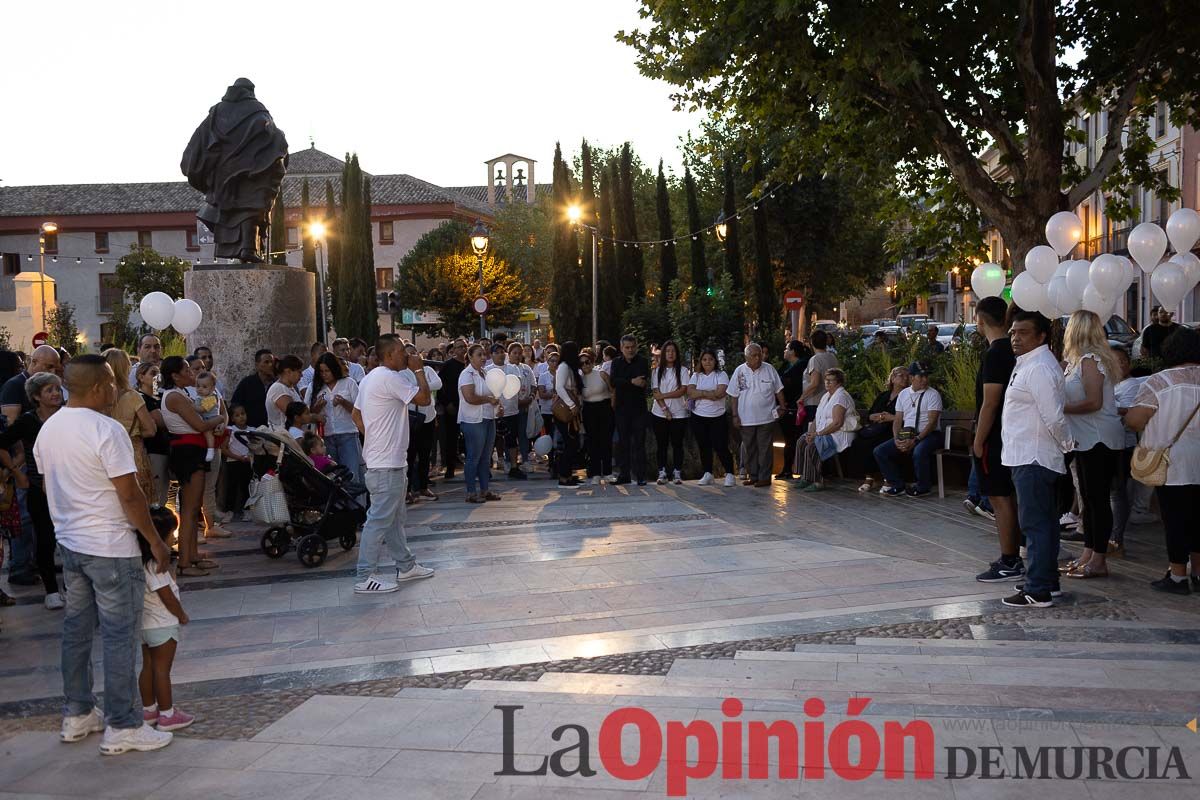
[(1056, 288), (159, 311), (502, 385)]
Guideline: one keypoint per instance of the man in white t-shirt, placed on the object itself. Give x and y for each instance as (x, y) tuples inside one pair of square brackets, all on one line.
[(381, 413), (341, 349), (96, 504), (757, 393), (915, 433)]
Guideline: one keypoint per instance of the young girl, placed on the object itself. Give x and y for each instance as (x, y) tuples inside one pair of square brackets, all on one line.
[(162, 615), (237, 464), (208, 405), (298, 416), (314, 447)]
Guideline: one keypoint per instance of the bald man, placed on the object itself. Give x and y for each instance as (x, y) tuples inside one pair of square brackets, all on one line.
[(149, 352), (99, 510), (13, 400)]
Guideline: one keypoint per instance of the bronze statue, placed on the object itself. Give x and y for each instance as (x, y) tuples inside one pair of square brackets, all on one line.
[(237, 157)]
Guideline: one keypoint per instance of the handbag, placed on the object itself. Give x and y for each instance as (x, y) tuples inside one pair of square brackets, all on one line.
[(851, 423), (564, 413), (268, 502), (1149, 465)]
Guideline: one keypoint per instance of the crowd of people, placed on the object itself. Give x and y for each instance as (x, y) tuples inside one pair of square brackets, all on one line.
[(99, 449)]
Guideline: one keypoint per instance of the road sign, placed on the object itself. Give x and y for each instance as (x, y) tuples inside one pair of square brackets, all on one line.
[(793, 299), (480, 305), (40, 338)]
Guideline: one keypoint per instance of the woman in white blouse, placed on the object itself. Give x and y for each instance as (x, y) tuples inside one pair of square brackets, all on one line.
[(332, 395), (477, 421), (828, 437), (669, 382), (597, 419), (1167, 412), (707, 389), (1092, 419)]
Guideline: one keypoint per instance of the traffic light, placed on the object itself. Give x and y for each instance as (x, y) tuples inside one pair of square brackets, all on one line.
[(393, 302)]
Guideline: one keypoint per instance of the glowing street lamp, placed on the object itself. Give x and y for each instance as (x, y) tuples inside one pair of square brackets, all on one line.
[(316, 230), (721, 227), (575, 216), (479, 243), (48, 229)]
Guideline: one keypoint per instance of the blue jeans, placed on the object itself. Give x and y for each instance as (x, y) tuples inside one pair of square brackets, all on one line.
[(1037, 512), (973, 489), (385, 521), (106, 592), (23, 546), (478, 438), (886, 456), (345, 449)]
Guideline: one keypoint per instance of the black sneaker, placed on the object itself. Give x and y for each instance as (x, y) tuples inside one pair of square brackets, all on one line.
[(913, 491), (1070, 535), (1196, 583), (999, 572), (1055, 590), (518, 474), (1170, 586), (1027, 600), (641, 483), (622, 481)]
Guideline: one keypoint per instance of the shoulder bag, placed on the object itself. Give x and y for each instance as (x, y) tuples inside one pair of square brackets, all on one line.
[(564, 413), (1148, 465)]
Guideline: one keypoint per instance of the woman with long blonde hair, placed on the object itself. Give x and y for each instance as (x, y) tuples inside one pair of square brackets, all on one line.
[(130, 410), (1091, 408)]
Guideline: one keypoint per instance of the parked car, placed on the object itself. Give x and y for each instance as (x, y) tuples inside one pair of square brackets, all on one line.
[(1135, 349), (1119, 332), (947, 332), (910, 321), (830, 326), (883, 323), (868, 330)]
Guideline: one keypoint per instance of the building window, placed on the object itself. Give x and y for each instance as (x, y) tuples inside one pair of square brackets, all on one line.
[(144, 240), (12, 263), (385, 279), (101, 241), (293, 236), (110, 293), (1160, 119), (385, 232), (190, 235), (1164, 211)]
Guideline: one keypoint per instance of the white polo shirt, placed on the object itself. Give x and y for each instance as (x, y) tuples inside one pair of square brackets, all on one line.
[(469, 412)]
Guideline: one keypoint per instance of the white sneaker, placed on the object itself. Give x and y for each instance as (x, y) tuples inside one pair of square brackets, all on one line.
[(143, 739), (729, 479), (416, 572), (1068, 519), (662, 477), (610, 478), (375, 584), (78, 727), (54, 601), (594, 480), (677, 478), (706, 479)]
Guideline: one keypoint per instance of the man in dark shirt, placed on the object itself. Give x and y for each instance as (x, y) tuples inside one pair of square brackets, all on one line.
[(630, 380), (13, 400), (451, 371), (1157, 331), (251, 392), (995, 479)]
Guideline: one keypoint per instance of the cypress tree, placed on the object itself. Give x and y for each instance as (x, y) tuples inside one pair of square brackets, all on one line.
[(733, 251), (587, 207), (308, 253), (623, 260), (349, 248), (766, 304), (668, 269), (564, 283), (278, 231), (611, 299), (333, 252), (699, 268), (637, 275), (368, 318)]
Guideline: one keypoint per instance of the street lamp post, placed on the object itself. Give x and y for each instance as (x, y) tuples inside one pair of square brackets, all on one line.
[(479, 243), (575, 215), (316, 230), (47, 228)]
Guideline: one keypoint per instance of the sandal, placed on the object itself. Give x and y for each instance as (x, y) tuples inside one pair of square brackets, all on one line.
[(866, 487), (473, 498), (1088, 572), (492, 496), (190, 572), (205, 563), (429, 495), (1068, 567)]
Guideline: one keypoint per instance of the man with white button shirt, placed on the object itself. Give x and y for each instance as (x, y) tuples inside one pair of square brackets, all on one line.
[(1035, 438), (757, 391)]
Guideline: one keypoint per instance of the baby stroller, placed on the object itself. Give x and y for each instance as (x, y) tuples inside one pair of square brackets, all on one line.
[(321, 507)]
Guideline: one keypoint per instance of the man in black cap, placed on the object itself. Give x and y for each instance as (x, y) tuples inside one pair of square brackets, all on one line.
[(914, 433)]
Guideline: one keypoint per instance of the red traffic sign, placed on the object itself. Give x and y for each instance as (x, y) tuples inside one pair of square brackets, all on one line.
[(793, 299), (480, 305), (40, 338)]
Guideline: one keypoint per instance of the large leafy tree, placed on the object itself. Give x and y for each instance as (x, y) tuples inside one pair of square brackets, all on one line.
[(878, 84), (523, 237), (448, 284)]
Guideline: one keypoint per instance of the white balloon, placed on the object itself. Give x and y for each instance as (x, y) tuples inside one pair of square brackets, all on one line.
[(1147, 243), (1040, 262), (1063, 232), (1059, 294), (1061, 270), (495, 379), (1027, 293), (1049, 310), (1093, 300), (987, 280), (1190, 264), (1131, 271), (512, 387), (543, 445), (1183, 229), (1107, 273), (1169, 284), (1078, 277), (188, 316), (157, 310)]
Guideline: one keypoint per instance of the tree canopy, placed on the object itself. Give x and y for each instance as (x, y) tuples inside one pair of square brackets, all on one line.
[(448, 283)]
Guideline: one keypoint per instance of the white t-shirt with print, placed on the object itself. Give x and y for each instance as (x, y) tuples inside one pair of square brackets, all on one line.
[(154, 610), (383, 398), (79, 452), (907, 402), (754, 392), (707, 382), (677, 405)]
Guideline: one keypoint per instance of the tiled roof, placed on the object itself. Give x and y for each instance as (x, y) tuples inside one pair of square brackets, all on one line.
[(314, 162), (97, 198)]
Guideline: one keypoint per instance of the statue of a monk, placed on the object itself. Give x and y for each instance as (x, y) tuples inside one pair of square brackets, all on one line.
[(237, 157)]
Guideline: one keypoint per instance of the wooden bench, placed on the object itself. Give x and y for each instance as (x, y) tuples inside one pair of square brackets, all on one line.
[(959, 433)]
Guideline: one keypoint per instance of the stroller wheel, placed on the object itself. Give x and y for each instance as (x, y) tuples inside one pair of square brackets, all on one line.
[(312, 550), (275, 542), (348, 540)]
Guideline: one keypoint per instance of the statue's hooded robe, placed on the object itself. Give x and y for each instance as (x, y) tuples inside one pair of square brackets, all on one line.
[(237, 157)]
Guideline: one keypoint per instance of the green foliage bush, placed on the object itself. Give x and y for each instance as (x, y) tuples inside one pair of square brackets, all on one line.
[(867, 368)]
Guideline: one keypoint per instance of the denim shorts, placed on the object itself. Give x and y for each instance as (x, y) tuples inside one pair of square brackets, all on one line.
[(157, 637)]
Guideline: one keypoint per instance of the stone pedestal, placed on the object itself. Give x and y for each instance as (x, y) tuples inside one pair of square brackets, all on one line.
[(250, 309)]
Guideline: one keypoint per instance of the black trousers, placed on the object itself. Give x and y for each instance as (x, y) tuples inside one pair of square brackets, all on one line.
[(237, 485), (1096, 468), (449, 436), (669, 431), (791, 435), (420, 446), (631, 443), (712, 434), (43, 528), (1178, 505), (598, 427), (569, 454)]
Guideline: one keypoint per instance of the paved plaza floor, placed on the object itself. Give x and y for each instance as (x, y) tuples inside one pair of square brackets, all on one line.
[(574, 603)]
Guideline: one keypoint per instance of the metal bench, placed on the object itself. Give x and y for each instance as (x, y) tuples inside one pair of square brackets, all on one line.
[(959, 435)]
